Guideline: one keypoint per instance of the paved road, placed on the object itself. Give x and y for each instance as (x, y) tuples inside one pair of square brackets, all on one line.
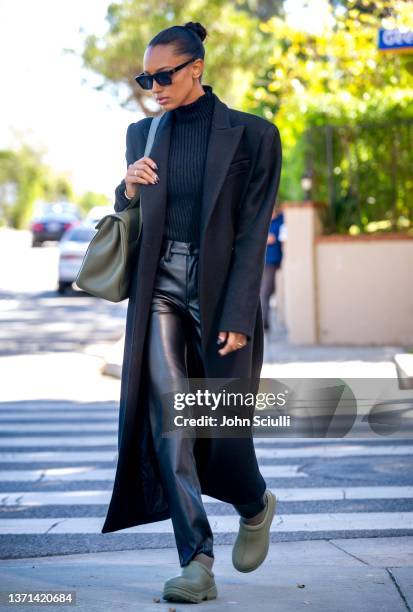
[(34, 317), (57, 464), (58, 432)]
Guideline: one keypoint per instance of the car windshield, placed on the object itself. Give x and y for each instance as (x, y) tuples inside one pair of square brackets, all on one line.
[(80, 234)]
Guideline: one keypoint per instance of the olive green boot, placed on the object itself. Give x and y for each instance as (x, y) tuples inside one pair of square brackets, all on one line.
[(253, 541), (195, 583)]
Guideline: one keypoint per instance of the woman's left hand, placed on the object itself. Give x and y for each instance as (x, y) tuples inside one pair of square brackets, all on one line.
[(234, 342)]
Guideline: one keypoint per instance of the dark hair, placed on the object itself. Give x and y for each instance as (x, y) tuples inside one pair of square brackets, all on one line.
[(186, 39)]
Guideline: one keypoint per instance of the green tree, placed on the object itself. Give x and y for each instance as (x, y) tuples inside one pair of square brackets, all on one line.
[(56, 186), (89, 199), (261, 62), (33, 180), (234, 45), (22, 168), (337, 77)]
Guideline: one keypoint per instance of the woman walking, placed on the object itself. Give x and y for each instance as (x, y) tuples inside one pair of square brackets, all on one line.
[(206, 194)]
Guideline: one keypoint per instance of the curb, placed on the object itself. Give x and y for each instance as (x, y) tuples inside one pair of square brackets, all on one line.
[(111, 355), (404, 366)]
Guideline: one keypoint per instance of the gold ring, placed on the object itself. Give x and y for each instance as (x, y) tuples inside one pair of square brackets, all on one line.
[(136, 173)]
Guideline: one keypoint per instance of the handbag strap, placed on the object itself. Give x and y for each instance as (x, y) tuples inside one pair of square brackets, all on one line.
[(151, 136)]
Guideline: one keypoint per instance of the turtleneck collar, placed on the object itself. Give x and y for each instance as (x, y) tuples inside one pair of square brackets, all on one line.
[(199, 109)]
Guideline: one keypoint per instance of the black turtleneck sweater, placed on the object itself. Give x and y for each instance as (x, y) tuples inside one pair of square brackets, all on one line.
[(186, 163)]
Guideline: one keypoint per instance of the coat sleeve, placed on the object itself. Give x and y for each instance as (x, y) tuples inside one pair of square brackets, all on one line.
[(250, 240), (121, 201)]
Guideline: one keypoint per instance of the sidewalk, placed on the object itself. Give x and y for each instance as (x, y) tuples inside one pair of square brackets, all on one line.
[(361, 575), (282, 359)]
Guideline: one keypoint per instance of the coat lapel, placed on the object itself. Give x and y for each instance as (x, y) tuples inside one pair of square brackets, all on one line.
[(222, 144)]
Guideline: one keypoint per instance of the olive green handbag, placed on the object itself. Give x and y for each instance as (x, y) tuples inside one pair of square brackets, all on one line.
[(106, 267)]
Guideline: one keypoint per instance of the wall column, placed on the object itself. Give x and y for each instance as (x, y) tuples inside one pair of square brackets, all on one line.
[(303, 224)]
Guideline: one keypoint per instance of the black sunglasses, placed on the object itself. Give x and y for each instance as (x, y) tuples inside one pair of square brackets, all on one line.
[(162, 78)]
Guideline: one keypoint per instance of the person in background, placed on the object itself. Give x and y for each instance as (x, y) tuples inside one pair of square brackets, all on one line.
[(273, 260)]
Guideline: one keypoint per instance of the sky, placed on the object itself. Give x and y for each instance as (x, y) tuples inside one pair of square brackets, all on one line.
[(44, 101)]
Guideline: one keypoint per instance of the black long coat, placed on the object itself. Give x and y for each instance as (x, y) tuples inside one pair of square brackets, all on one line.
[(242, 174)]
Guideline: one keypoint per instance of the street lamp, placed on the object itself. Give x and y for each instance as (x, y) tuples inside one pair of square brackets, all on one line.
[(307, 184)]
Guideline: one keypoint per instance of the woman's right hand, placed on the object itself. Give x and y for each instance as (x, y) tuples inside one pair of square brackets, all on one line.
[(140, 172)]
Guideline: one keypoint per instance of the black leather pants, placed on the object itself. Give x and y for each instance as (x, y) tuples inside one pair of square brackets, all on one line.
[(174, 342)]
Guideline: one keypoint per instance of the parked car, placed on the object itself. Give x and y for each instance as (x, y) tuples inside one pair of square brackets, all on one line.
[(52, 221), (97, 212), (72, 249)]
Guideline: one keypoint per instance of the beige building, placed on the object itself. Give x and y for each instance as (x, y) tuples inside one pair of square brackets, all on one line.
[(340, 289)]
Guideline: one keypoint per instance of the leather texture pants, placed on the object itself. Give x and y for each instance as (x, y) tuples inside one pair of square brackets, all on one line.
[(174, 342)]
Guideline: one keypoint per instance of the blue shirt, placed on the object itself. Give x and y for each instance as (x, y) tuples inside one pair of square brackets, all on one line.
[(274, 251)]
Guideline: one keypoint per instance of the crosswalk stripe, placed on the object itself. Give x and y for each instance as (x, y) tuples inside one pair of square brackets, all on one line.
[(56, 407), (47, 417), (76, 440), (262, 453), (59, 428), (285, 523), (299, 494), (77, 473), (370, 440), (333, 451), (24, 425), (53, 440), (67, 456), (36, 435)]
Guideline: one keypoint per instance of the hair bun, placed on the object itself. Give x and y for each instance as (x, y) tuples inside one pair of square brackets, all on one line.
[(196, 27)]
